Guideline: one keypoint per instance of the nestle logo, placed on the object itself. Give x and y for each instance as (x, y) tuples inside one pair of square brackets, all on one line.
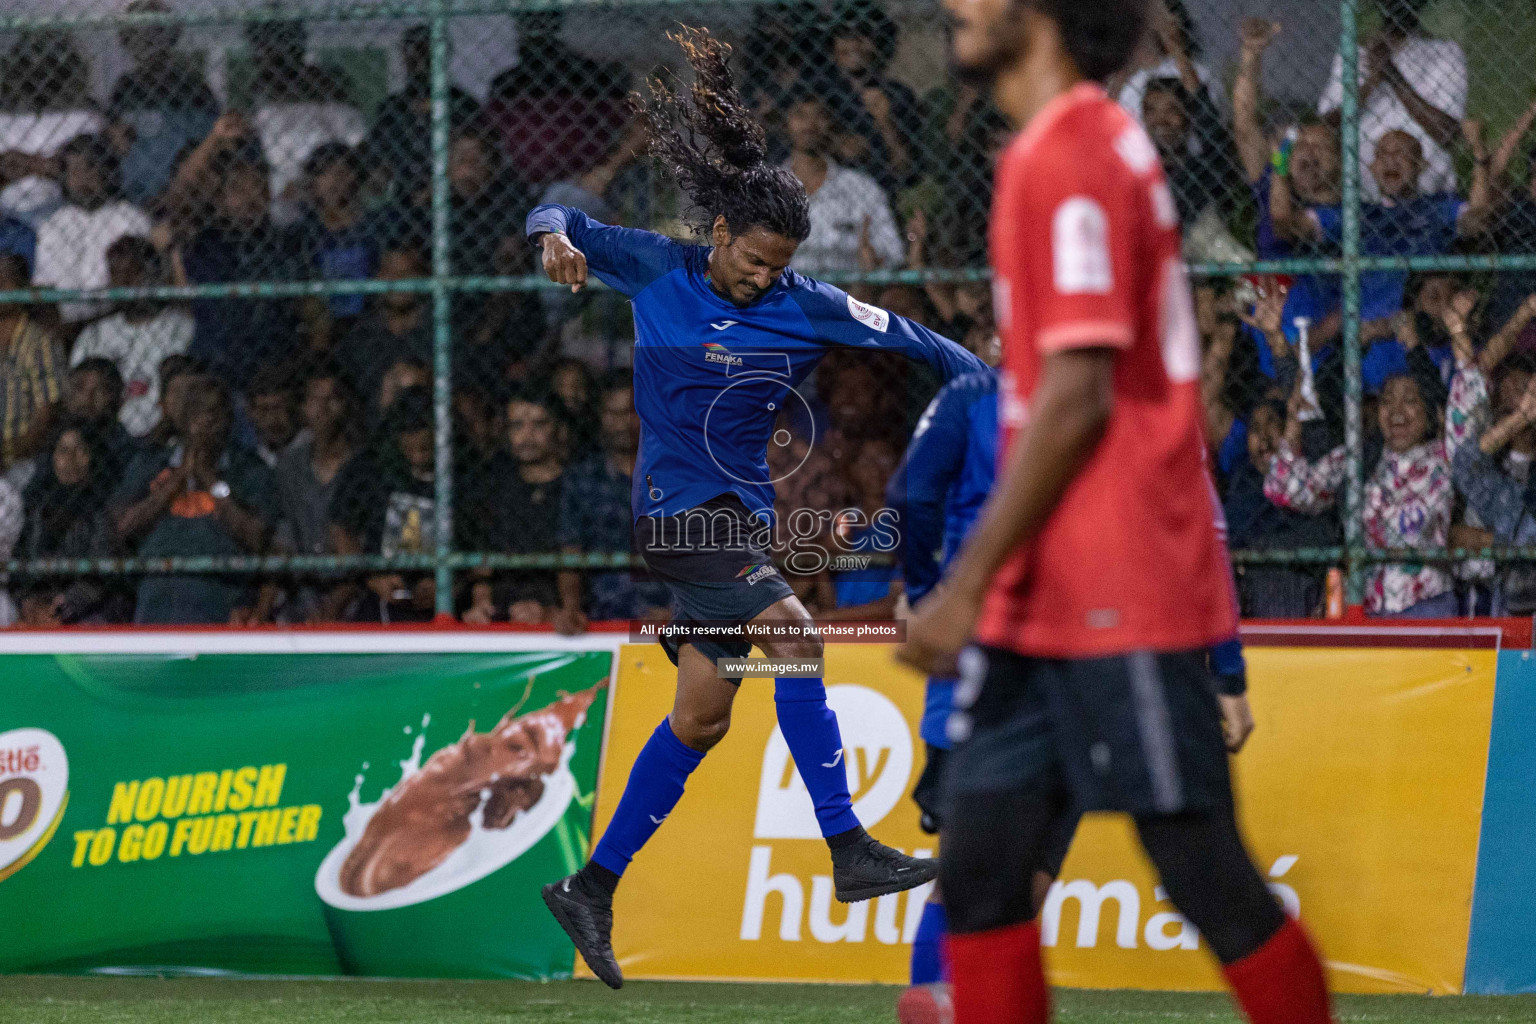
[(19, 759)]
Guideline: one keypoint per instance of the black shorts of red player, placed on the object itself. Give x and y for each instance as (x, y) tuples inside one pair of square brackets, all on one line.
[(928, 794), (1138, 733)]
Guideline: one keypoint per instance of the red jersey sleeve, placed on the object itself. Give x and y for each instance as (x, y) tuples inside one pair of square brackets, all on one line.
[(1080, 211)]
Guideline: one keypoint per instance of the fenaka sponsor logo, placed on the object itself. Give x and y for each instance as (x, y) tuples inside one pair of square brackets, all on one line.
[(877, 754), (714, 352), (1164, 929), (34, 790), (753, 573)]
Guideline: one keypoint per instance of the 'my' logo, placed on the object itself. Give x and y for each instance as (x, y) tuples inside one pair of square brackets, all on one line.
[(876, 754)]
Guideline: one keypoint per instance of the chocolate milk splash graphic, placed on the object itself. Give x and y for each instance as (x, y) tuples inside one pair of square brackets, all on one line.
[(481, 783)]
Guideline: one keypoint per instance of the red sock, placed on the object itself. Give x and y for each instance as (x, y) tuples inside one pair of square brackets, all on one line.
[(1281, 982), (997, 976)]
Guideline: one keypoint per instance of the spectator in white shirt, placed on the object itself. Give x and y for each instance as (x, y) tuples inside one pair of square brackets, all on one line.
[(1409, 82), (43, 105), (851, 223), (299, 108), (1170, 50), (72, 243), (139, 335)]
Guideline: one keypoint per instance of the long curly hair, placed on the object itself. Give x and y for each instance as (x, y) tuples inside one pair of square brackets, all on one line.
[(716, 149)]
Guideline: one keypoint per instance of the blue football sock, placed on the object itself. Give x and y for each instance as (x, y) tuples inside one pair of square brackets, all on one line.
[(927, 964), (655, 784), (816, 744)]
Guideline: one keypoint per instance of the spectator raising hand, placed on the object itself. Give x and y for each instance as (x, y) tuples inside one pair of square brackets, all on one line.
[(1255, 36), (1268, 317), (879, 119), (1513, 424), (1405, 328), (1509, 143), (1492, 477), (1412, 83), (1457, 316), (1478, 213)]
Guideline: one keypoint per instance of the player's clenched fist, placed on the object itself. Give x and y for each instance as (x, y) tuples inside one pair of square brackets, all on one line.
[(563, 262)]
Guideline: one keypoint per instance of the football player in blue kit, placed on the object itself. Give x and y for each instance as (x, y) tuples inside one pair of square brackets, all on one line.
[(723, 335)]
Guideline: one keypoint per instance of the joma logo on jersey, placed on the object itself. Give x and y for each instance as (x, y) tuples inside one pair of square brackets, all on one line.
[(714, 352), (753, 573)]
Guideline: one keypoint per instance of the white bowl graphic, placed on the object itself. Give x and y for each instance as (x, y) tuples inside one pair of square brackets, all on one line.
[(486, 851)]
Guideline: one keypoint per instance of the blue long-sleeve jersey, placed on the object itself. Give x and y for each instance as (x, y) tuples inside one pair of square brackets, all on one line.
[(938, 489), (945, 477), (712, 377)]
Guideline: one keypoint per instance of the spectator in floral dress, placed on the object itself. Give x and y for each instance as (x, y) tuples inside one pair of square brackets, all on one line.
[(1408, 497)]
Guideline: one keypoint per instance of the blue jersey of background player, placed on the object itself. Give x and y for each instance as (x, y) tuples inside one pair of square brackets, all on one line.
[(938, 488)]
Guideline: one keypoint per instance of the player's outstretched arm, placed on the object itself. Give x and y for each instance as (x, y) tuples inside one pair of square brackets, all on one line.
[(575, 245), (1069, 413), (840, 319)]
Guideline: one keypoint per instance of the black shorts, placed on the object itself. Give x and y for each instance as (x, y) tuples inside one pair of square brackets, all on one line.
[(1139, 733), (928, 795), (712, 560)]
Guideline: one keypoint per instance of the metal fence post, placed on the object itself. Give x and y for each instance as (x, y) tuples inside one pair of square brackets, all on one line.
[(442, 337), (1349, 141)]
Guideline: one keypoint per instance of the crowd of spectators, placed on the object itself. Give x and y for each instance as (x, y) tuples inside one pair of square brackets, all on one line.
[(260, 424), (1445, 357)]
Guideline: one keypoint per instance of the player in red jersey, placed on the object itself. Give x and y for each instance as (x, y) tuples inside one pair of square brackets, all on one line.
[(1094, 579)]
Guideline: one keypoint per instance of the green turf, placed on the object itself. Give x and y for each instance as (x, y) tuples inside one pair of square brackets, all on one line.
[(49, 1000)]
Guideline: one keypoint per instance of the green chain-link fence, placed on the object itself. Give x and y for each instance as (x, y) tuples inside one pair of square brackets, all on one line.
[(315, 212)]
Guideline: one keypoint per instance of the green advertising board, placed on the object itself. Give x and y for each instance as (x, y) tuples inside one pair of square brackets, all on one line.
[(389, 813)]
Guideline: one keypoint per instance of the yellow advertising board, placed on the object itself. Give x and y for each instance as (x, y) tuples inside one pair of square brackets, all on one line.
[(1360, 795)]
